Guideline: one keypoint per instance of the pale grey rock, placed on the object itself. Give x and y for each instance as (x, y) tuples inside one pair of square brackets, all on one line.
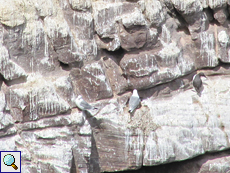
[(30, 168), (223, 51), (62, 39), (80, 4), (46, 8), (82, 43), (105, 17), (75, 118), (168, 56), (83, 23), (64, 88), (59, 153), (187, 7), (204, 3), (110, 46), (216, 165), (141, 4), (152, 37), (105, 26), (43, 123), (81, 152), (9, 69), (223, 38), (146, 69), (25, 154), (85, 129), (192, 12), (35, 100), (140, 65), (10, 141), (52, 133), (54, 25), (155, 12), (12, 13), (207, 55), (6, 120), (216, 4), (197, 128), (8, 131), (18, 105), (133, 19), (2, 101), (111, 109), (47, 63)]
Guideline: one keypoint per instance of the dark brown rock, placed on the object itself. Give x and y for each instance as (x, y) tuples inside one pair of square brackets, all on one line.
[(139, 65), (91, 82), (31, 53), (64, 48), (78, 42), (115, 75), (221, 15), (134, 40), (105, 18), (105, 144), (111, 43)]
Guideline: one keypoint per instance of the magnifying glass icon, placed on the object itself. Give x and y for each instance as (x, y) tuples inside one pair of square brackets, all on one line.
[(9, 160)]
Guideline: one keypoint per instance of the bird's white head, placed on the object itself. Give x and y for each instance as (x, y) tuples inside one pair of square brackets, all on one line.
[(135, 93), (79, 97)]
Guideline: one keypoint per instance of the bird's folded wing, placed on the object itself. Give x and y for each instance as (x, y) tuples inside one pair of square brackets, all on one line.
[(134, 101), (85, 105)]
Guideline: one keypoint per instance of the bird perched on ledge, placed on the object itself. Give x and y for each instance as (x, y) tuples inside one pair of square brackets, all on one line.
[(197, 82), (134, 101), (82, 104)]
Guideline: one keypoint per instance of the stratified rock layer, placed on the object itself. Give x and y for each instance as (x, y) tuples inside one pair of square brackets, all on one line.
[(51, 51)]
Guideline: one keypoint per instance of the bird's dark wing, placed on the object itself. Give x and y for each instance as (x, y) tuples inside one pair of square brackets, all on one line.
[(197, 82), (133, 102), (85, 105)]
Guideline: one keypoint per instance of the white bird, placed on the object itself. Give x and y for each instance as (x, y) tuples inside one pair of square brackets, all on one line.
[(82, 104), (134, 101)]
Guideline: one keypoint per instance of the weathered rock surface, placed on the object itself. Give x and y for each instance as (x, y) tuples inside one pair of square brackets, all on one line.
[(210, 162), (52, 51)]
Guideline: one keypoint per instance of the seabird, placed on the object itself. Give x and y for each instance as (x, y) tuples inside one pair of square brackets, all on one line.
[(197, 82), (134, 101), (82, 104)]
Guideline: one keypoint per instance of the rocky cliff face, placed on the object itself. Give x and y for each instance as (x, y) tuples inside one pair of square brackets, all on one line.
[(51, 51)]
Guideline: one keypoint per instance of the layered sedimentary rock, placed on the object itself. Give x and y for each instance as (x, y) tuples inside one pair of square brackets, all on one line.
[(52, 51)]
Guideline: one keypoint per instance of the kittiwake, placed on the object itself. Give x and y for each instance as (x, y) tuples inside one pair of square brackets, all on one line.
[(134, 101), (82, 104)]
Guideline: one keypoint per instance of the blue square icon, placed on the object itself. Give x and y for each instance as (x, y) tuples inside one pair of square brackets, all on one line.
[(10, 161)]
